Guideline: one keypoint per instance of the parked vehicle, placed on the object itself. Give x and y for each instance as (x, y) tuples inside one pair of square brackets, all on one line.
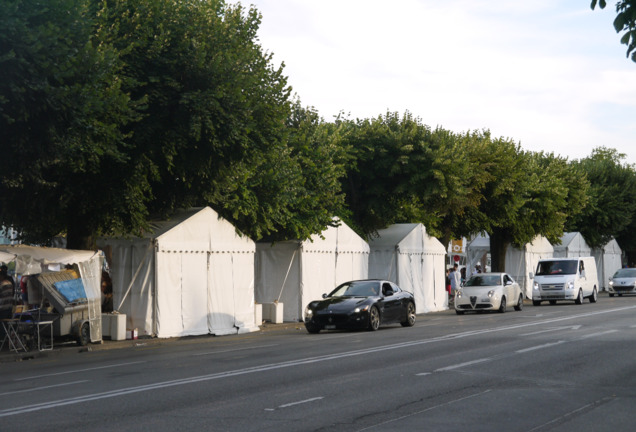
[(488, 292), (361, 304), (623, 282), (571, 279)]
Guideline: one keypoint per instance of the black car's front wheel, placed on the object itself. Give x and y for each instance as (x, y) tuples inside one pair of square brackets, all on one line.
[(374, 318), (410, 316), (312, 328)]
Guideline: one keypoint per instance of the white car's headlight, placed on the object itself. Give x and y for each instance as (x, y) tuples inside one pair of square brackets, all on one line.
[(570, 285), (535, 285), (459, 294), (491, 293)]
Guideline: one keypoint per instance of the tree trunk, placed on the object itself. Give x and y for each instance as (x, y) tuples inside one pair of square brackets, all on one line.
[(78, 237), (499, 243)]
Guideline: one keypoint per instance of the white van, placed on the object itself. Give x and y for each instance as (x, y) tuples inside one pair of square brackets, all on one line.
[(565, 279)]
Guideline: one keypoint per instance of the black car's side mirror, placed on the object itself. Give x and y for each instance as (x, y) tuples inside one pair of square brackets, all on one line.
[(324, 296), (388, 293)]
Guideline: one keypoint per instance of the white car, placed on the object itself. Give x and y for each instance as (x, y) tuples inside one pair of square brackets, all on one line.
[(623, 282), (488, 292)]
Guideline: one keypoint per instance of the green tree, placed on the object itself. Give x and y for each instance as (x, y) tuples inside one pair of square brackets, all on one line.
[(612, 198), (114, 112), (62, 108), (526, 194), (625, 22)]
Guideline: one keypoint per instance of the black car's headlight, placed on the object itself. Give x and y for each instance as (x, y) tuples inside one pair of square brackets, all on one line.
[(361, 309), (309, 312)]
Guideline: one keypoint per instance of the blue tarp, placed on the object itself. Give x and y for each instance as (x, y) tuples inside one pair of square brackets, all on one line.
[(72, 289)]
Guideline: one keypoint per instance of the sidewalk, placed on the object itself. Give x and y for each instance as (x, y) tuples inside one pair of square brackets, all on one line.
[(70, 346)]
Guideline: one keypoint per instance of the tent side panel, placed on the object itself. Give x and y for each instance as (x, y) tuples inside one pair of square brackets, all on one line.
[(169, 295), (129, 258), (221, 294), (318, 278), (244, 319), (277, 277), (194, 294)]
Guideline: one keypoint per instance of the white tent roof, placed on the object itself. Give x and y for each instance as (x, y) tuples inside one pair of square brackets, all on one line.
[(407, 255), (6, 257), (190, 275), (572, 245), (294, 273), (407, 238), (30, 259)]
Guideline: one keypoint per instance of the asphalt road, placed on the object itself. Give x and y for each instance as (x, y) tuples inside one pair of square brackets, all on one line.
[(549, 368)]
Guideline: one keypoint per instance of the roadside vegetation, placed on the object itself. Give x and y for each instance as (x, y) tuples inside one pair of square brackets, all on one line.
[(115, 113)]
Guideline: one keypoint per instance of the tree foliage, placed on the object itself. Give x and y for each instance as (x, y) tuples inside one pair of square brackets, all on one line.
[(62, 108), (612, 197), (115, 112), (625, 21)]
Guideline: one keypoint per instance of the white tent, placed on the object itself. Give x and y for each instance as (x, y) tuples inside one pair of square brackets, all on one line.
[(519, 262), (608, 260), (295, 273), (34, 260), (191, 275), (476, 251), (407, 255), (572, 245)]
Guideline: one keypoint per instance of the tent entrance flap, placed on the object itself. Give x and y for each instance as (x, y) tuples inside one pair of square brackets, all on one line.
[(134, 278)]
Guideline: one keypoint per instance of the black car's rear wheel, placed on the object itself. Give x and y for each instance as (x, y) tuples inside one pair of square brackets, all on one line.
[(374, 318), (410, 316)]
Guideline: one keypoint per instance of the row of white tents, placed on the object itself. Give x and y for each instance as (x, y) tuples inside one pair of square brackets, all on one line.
[(520, 262), (195, 274)]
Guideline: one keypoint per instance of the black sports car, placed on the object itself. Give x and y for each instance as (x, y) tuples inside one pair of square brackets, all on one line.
[(361, 304)]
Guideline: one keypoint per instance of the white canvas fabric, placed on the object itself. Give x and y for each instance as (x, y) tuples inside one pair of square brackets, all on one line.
[(573, 245), (191, 275), (407, 255), (608, 260), (519, 262), (295, 273)]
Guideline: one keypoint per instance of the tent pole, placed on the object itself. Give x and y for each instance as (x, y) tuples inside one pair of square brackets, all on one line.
[(286, 275)]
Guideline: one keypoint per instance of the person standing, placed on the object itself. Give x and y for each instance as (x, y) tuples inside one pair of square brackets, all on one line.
[(455, 279)]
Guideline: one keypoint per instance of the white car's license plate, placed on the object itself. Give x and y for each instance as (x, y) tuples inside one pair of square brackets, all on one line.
[(485, 300), (330, 327)]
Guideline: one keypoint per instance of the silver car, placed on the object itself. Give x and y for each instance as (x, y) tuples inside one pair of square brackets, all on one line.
[(488, 292), (623, 282)]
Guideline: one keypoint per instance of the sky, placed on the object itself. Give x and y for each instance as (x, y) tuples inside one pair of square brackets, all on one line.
[(549, 74)]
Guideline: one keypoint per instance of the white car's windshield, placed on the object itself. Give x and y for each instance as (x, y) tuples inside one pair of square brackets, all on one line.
[(625, 273), (357, 289), (483, 280), (556, 267)]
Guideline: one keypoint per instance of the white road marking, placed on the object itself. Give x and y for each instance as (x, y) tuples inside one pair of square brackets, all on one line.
[(575, 327), (598, 334), (232, 350), (42, 388), (268, 367), (300, 402), (461, 365), (77, 370), (525, 350), (423, 374)]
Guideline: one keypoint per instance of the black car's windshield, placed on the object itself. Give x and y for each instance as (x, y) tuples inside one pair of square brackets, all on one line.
[(557, 267), (357, 289), (625, 273), (483, 280)]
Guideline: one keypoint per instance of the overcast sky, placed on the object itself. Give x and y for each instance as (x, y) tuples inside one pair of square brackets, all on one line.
[(549, 74)]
